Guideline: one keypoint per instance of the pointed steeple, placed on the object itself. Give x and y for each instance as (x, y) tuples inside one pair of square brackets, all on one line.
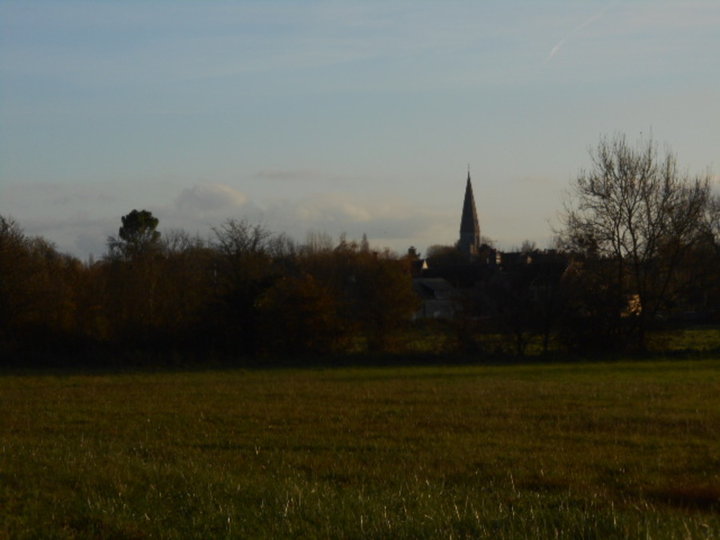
[(469, 242)]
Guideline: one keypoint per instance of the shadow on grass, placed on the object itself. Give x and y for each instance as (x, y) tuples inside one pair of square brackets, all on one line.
[(143, 361), (691, 497)]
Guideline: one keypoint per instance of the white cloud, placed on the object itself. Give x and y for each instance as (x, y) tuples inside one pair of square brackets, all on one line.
[(209, 199), (715, 184), (78, 219), (287, 174), (330, 210), (77, 235), (38, 197), (387, 223)]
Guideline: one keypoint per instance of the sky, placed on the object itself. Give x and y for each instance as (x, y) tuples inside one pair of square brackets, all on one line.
[(338, 117)]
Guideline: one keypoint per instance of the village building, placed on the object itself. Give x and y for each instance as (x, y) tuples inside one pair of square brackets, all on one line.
[(472, 269)]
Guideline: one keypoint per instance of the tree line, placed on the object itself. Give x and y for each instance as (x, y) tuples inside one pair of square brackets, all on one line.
[(637, 250), (245, 292), (638, 242)]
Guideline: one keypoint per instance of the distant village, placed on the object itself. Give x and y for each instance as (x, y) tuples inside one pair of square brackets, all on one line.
[(247, 292), (449, 276)]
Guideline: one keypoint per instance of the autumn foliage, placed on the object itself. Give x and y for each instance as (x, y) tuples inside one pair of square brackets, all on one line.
[(245, 292)]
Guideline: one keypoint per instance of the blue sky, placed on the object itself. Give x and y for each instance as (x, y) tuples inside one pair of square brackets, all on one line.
[(337, 117)]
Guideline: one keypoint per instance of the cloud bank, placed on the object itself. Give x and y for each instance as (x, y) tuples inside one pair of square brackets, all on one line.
[(51, 211)]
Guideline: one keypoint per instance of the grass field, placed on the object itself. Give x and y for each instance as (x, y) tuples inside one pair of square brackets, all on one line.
[(587, 450)]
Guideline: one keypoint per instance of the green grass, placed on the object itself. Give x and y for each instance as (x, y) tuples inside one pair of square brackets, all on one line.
[(598, 450), (697, 338), (435, 337)]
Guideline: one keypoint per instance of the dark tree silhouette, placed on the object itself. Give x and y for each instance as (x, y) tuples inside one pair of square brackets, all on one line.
[(631, 218), (132, 276), (137, 236)]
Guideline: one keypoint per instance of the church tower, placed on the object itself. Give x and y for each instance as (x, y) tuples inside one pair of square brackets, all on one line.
[(469, 243)]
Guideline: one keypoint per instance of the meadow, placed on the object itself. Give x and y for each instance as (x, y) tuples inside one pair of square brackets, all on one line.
[(573, 450)]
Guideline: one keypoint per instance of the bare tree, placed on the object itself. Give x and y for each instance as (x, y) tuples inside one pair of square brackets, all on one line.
[(634, 215)]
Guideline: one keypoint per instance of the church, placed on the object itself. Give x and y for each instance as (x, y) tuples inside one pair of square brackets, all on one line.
[(472, 267), (469, 243)]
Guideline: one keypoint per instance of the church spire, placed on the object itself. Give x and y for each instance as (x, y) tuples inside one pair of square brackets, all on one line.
[(469, 242)]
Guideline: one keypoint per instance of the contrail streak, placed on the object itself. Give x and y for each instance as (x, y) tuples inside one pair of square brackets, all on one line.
[(572, 32)]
